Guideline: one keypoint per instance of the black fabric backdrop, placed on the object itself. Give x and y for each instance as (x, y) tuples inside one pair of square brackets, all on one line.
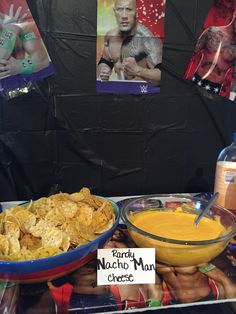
[(63, 136)]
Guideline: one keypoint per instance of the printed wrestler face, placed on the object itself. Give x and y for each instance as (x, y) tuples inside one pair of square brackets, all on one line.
[(125, 13)]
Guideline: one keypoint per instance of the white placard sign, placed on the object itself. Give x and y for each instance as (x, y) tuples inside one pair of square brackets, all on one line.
[(125, 266)]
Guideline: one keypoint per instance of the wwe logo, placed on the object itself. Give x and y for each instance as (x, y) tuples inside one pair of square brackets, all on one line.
[(143, 89)]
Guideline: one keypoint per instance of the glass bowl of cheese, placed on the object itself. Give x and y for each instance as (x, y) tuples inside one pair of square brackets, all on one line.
[(167, 223)]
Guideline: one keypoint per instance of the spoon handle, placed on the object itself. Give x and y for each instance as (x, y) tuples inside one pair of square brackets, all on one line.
[(205, 210)]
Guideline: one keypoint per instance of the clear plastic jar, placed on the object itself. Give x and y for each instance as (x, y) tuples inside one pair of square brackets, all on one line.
[(225, 176)]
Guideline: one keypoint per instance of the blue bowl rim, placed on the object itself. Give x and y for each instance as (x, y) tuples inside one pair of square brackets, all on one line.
[(80, 248)]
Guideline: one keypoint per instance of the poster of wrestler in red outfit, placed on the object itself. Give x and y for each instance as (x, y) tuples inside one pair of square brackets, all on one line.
[(212, 65), (130, 36)]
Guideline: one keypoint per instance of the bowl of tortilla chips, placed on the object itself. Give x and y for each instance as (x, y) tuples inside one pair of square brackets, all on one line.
[(47, 238)]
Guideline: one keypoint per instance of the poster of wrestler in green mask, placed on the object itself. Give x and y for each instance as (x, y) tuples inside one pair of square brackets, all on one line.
[(130, 36)]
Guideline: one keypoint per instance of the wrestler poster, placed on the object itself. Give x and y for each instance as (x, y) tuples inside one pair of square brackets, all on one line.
[(23, 55), (212, 65), (130, 36)]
